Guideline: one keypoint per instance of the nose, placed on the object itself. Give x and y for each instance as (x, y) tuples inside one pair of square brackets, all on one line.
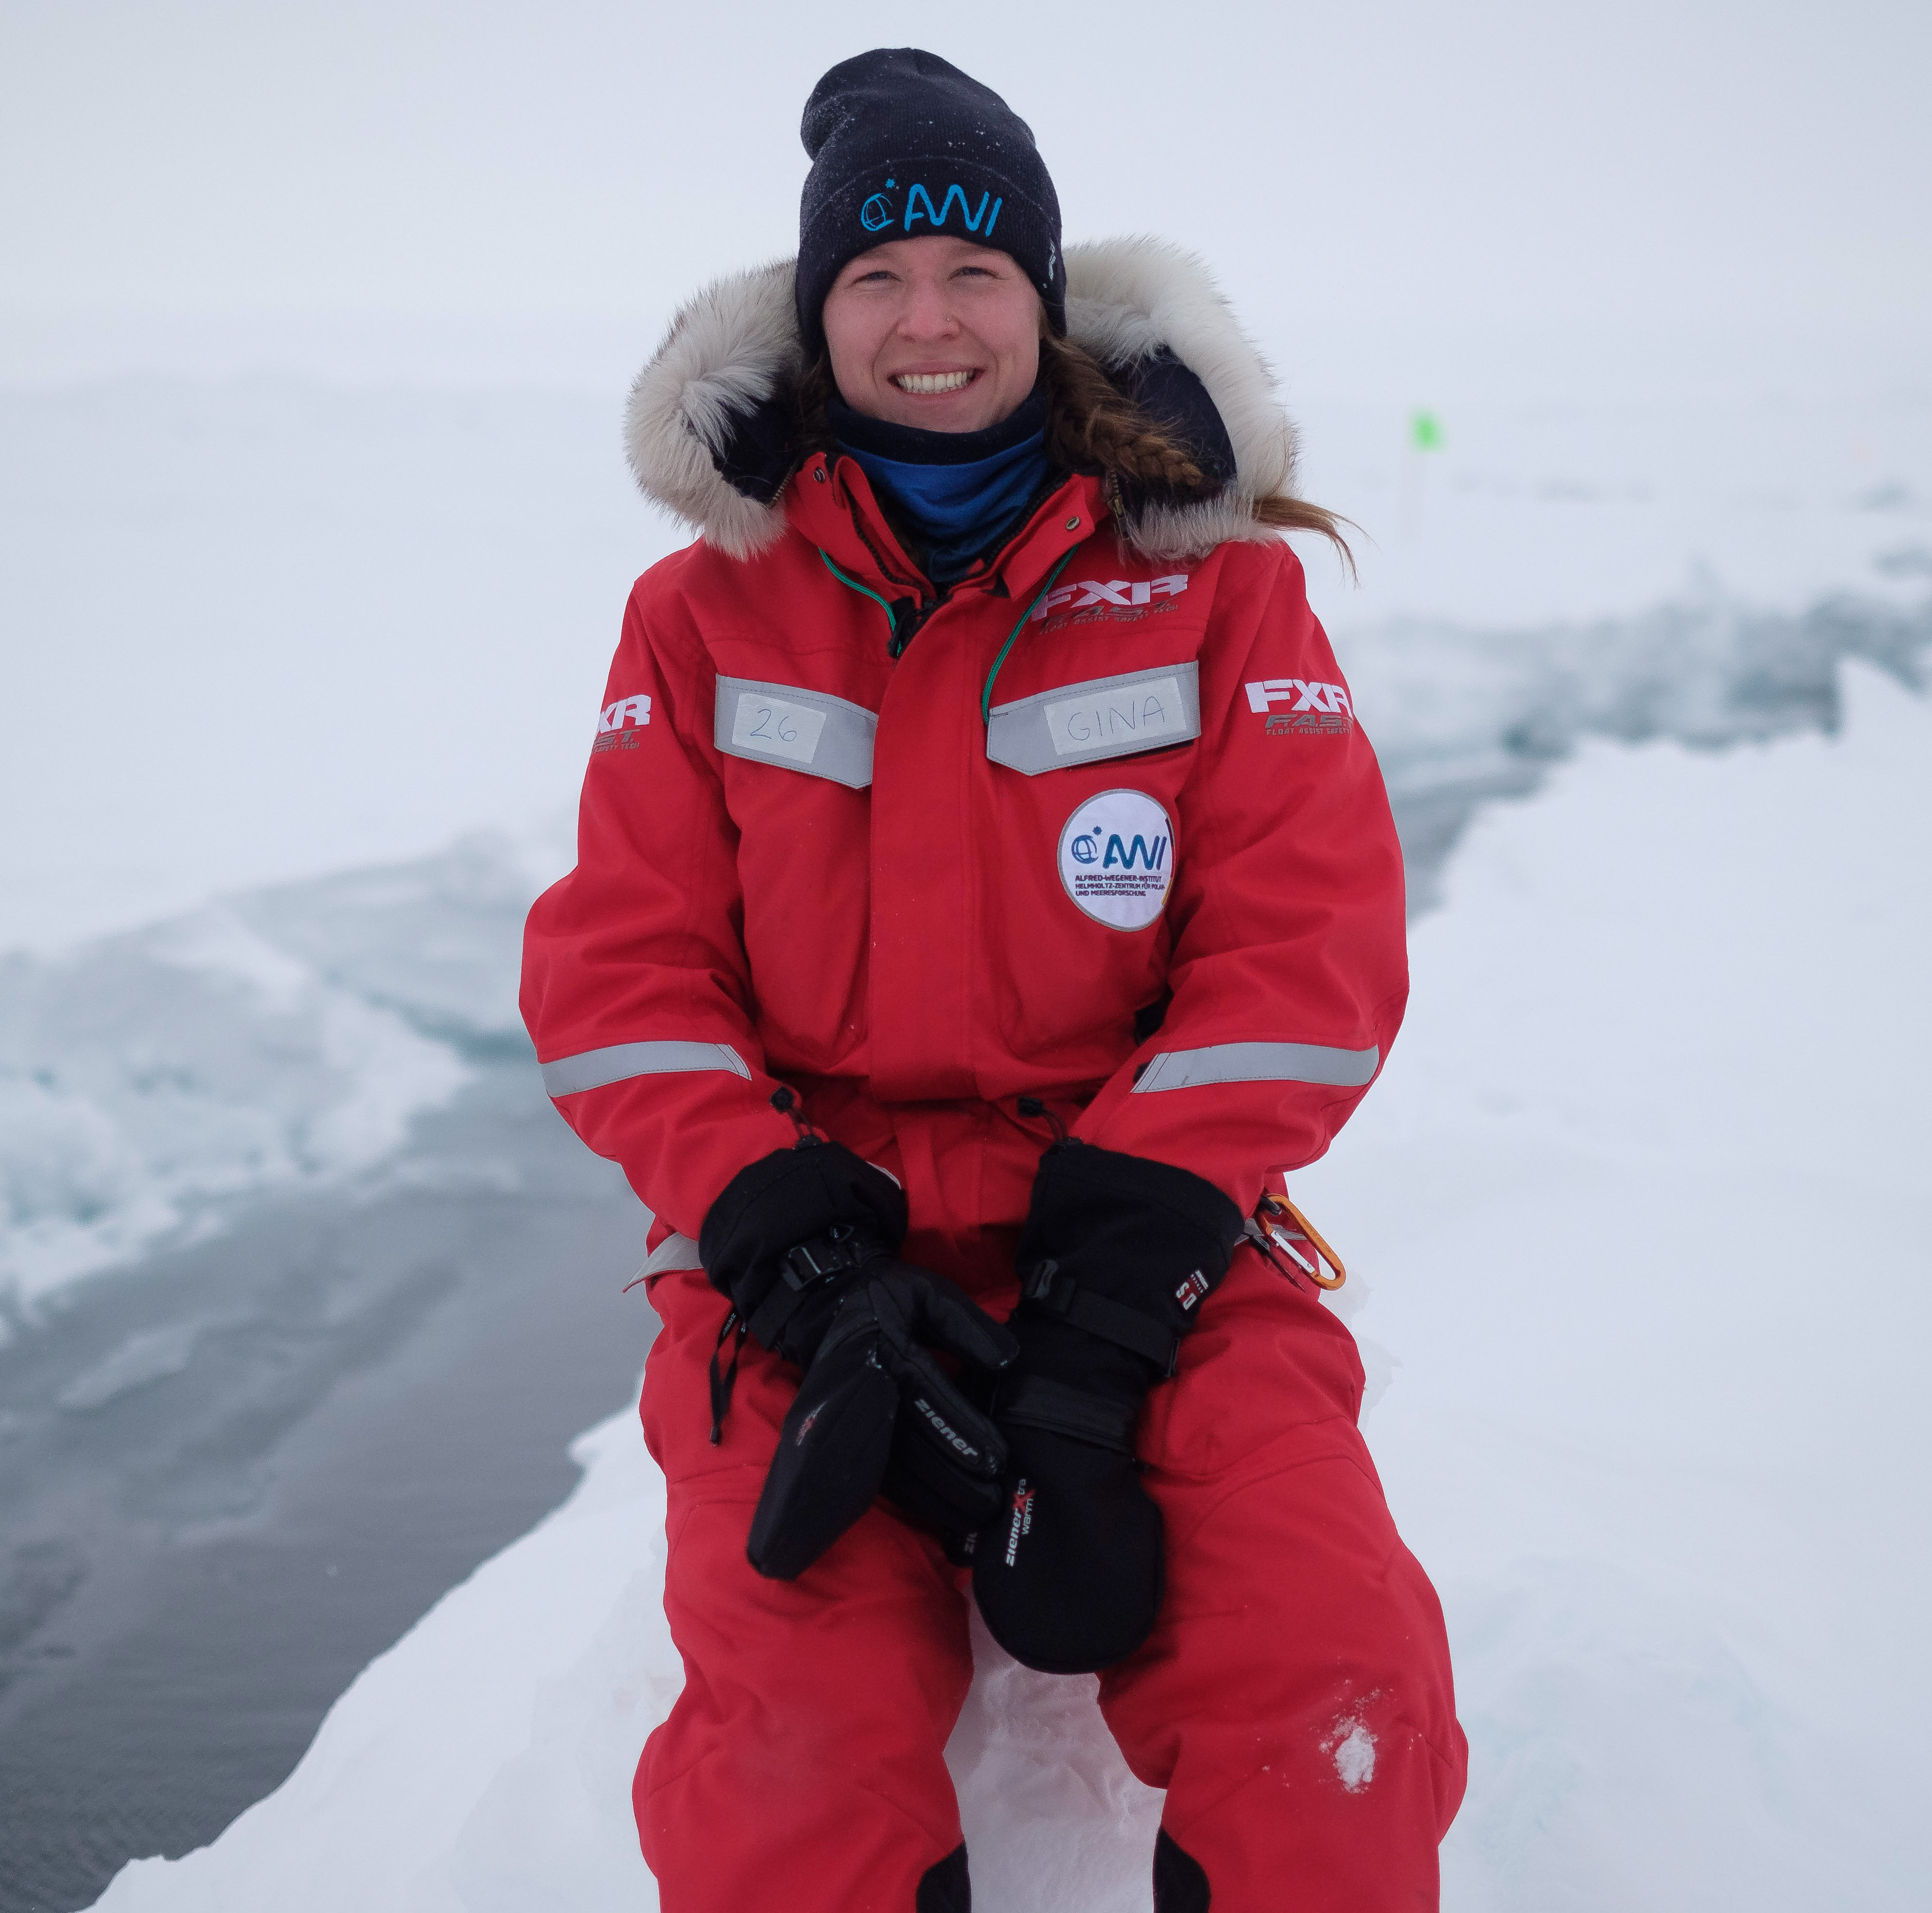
[(928, 313)]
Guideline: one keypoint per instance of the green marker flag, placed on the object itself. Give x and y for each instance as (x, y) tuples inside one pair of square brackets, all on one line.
[(1425, 431)]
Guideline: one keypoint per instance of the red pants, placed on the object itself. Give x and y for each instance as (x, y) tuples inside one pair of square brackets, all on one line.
[(1295, 1700)]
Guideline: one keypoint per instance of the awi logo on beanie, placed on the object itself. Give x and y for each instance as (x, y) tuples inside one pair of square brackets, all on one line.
[(877, 213)]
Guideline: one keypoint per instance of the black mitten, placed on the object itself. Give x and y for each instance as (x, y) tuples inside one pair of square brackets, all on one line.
[(1116, 1256), (876, 1413), (802, 1242)]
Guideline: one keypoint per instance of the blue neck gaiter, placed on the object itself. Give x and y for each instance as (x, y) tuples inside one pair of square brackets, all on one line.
[(959, 490)]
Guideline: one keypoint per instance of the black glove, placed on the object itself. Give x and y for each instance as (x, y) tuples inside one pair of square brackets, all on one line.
[(803, 1242), (1116, 1256)]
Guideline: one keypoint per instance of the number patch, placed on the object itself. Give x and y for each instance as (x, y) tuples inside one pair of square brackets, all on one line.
[(796, 728), (775, 728)]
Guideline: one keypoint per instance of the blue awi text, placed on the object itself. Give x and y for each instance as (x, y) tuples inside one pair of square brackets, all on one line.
[(1152, 856), (919, 196)]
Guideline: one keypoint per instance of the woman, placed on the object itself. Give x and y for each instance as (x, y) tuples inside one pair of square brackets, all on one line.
[(984, 895)]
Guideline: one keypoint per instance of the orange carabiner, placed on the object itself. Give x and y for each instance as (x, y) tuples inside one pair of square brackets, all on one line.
[(1269, 1215)]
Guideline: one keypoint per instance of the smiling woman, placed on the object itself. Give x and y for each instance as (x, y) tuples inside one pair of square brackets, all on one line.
[(955, 817), (934, 332)]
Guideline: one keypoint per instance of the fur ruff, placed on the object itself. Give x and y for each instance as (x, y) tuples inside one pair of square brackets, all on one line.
[(736, 344)]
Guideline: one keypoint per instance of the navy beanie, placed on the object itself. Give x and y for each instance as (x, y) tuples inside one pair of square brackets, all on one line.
[(902, 145)]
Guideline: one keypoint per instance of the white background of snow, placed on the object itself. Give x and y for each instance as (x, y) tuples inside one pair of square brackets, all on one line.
[(262, 629), (1638, 1223), (314, 531)]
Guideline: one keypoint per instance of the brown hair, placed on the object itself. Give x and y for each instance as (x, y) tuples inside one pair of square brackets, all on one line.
[(1091, 424), (1091, 421)]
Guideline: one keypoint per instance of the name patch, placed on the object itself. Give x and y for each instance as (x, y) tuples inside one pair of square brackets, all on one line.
[(1138, 710), (1148, 711)]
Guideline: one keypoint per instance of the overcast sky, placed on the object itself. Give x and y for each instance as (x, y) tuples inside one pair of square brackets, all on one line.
[(1751, 166)]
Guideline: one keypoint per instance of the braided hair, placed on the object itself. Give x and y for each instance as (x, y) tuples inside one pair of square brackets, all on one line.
[(1092, 424)]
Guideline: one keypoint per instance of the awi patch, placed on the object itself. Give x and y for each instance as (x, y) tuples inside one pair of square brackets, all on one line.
[(1117, 859)]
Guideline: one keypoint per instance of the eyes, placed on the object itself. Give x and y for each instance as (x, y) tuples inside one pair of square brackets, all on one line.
[(880, 276)]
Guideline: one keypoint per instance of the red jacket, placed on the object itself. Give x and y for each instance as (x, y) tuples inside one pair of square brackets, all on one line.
[(1104, 832), (801, 861)]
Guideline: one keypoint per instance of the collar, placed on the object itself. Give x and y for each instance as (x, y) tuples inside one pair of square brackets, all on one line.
[(959, 493), (830, 503)]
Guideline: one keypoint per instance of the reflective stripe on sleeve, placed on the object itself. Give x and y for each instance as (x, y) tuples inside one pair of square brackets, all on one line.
[(673, 1252), (1258, 1062), (592, 1069)]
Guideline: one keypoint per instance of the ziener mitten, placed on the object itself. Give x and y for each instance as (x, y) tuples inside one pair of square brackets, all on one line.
[(1117, 1255), (803, 1242)]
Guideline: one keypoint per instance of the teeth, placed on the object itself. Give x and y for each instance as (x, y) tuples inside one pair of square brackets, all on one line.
[(931, 382)]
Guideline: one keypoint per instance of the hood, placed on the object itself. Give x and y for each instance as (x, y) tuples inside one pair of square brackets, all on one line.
[(707, 423)]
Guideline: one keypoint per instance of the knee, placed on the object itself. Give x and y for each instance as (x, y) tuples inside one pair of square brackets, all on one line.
[(1299, 1633)]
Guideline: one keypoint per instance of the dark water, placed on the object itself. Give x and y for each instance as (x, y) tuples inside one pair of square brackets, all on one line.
[(230, 1478)]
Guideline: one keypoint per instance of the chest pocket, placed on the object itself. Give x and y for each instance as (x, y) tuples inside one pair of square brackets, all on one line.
[(1139, 710), (796, 729)]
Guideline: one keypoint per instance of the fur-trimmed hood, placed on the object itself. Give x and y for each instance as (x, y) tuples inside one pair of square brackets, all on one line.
[(702, 425)]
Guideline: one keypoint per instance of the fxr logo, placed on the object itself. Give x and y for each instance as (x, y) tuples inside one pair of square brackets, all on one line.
[(625, 710), (1307, 696), (1120, 591)]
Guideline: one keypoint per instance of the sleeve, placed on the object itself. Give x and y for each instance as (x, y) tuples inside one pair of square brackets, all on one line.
[(1289, 967), (636, 990)]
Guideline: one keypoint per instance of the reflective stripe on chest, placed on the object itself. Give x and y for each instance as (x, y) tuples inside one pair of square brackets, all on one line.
[(1102, 717), (796, 729)]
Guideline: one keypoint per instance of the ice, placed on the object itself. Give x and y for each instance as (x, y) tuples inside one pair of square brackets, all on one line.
[(152, 1082), (148, 1355), (546, 1668), (1460, 714), (1638, 1206)]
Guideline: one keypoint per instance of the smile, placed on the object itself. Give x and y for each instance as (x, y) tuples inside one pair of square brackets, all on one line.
[(925, 383)]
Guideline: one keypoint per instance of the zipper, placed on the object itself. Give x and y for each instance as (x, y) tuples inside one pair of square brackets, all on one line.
[(905, 630)]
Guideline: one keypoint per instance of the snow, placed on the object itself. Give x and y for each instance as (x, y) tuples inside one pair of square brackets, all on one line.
[(1355, 1754), (153, 1081), (1635, 1222)]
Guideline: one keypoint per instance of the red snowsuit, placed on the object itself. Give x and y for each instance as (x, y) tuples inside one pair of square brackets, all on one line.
[(889, 884)]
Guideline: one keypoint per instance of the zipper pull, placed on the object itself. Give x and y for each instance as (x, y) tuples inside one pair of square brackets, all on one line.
[(906, 629), (785, 1100), (1031, 1106)]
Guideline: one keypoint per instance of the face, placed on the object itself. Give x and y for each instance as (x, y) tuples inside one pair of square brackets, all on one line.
[(933, 331)]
